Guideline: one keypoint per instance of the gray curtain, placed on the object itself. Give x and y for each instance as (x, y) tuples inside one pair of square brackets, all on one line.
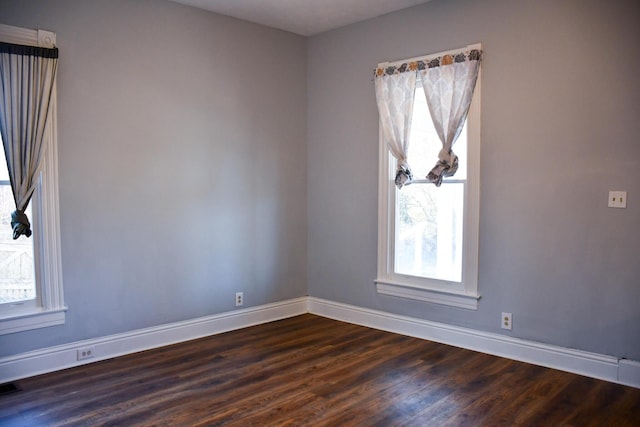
[(27, 75)]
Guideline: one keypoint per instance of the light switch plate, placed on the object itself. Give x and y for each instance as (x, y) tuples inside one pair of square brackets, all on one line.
[(618, 199)]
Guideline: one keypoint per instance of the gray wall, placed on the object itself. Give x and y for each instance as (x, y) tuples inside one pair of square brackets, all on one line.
[(183, 157), (560, 126), (182, 164)]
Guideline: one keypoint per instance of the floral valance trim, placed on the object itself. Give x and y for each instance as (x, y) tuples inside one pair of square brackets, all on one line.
[(447, 59)]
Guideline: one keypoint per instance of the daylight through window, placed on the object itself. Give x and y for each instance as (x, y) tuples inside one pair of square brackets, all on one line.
[(17, 274), (428, 234)]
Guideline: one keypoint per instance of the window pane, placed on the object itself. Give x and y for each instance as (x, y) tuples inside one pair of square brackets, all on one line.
[(425, 143), (429, 223), (4, 173), (17, 274)]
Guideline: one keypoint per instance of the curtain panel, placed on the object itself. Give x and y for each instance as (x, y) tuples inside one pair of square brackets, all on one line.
[(395, 95), (448, 81), (27, 75)]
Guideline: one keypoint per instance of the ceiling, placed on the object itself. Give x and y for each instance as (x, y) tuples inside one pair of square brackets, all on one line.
[(304, 17)]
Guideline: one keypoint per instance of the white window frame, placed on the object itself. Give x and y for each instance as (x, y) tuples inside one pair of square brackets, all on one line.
[(388, 282), (49, 309)]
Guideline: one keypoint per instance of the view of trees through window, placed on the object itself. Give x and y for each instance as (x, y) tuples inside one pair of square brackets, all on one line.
[(429, 219), (17, 273)]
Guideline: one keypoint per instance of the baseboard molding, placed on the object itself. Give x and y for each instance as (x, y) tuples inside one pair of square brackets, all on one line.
[(608, 368), (65, 356), (629, 373), (593, 365)]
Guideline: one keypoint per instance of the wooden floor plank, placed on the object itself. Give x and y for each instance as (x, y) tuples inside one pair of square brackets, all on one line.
[(313, 371)]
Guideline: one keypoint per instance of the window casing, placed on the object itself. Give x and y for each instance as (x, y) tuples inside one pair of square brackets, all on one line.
[(48, 308), (441, 266)]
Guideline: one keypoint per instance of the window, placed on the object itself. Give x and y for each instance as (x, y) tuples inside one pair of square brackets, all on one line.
[(30, 269), (428, 235), (17, 271)]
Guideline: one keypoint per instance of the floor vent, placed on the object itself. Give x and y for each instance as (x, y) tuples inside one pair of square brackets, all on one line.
[(8, 388)]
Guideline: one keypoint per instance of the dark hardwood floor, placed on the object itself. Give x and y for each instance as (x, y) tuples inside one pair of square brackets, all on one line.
[(312, 371)]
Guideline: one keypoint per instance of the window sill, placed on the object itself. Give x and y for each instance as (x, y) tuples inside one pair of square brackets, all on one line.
[(18, 322), (454, 299)]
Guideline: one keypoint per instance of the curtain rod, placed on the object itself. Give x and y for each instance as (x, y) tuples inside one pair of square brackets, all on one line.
[(426, 58)]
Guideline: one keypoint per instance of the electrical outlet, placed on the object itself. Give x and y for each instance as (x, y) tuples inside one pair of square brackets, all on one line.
[(618, 199), (85, 353), (239, 299), (507, 321)]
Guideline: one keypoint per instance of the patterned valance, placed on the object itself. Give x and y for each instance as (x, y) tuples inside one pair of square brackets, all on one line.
[(446, 59), (448, 80)]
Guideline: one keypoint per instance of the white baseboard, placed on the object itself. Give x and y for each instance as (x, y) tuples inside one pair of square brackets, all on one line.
[(629, 373), (65, 356), (593, 365)]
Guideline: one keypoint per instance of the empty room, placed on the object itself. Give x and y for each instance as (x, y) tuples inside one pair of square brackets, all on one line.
[(320, 212)]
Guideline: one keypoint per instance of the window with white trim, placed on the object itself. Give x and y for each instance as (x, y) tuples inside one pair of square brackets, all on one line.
[(30, 269), (428, 235)]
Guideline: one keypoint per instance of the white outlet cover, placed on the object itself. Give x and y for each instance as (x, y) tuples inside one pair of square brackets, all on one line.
[(85, 353), (506, 321), (617, 199)]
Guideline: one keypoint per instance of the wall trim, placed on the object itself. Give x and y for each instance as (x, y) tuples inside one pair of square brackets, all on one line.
[(580, 362), (629, 373), (603, 367), (65, 356)]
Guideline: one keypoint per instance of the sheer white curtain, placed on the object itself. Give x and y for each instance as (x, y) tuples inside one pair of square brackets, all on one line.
[(448, 83), (27, 74), (394, 96)]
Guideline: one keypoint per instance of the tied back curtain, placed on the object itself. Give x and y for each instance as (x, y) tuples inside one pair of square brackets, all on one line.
[(448, 84), (27, 76), (394, 96)]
